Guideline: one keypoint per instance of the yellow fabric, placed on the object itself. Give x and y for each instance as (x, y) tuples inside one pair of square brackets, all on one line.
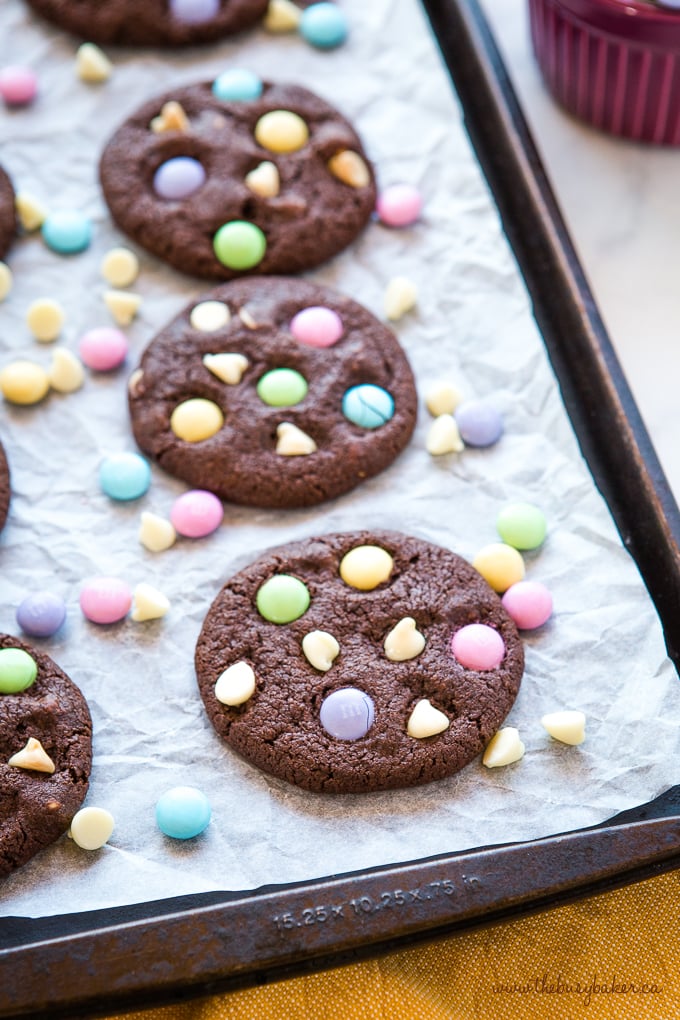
[(624, 946)]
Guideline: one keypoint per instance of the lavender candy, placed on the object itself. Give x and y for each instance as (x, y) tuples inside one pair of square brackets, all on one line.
[(479, 423), (41, 614), (347, 714), (194, 12)]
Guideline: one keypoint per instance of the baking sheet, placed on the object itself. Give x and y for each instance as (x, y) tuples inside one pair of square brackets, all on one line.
[(603, 651)]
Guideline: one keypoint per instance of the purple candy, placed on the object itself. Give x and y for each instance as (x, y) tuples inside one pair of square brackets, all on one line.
[(479, 423), (41, 614), (194, 12), (347, 714), (178, 178)]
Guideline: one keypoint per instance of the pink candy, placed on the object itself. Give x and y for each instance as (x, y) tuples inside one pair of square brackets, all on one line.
[(105, 600), (478, 647), (399, 205), (317, 326), (103, 349), (196, 514), (18, 85), (529, 603)]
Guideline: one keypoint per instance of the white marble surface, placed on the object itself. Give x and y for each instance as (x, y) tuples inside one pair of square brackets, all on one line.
[(621, 202)]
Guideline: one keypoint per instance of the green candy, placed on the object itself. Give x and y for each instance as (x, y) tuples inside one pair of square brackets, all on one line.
[(18, 670), (521, 525), (282, 599), (282, 387), (239, 245)]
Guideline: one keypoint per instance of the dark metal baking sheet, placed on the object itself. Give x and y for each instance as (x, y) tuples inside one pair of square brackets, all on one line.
[(104, 961)]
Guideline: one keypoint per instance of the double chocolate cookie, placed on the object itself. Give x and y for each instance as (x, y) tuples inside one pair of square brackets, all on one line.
[(329, 663), (238, 176), (151, 22), (8, 217), (45, 752), (273, 392)]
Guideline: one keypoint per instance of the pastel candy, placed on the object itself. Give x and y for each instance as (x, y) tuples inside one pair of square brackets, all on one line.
[(479, 422), (282, 387), (317, 327), (399, 205), (24, 382), (522, 525), (124, 476), (67, 232), (478, 646), (237, 84), (196, 419), (281, 131), (105, 600), (18, 670), (196, 514), (368, 406), (18, 85), (194, 12), (283, 599), (103, 349), (41, 614), (347, 714), (178, 178), (500, 565), (239, 245), (324, 25), (183, 812), (365, 567), (529, 603)]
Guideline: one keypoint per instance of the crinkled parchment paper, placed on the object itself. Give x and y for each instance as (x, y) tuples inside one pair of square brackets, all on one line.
[(602, 652)]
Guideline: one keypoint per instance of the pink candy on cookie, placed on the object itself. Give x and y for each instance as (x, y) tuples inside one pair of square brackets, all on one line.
[(317, 326), (478, 646)]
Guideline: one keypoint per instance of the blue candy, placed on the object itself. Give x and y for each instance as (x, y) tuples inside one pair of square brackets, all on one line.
[(124, 476), (238, 83), (183, 812), (67, 232), (323, 25), (368, 406)]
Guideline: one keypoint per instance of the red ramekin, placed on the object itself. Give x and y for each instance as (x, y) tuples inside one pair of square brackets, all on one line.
[(612, 63)]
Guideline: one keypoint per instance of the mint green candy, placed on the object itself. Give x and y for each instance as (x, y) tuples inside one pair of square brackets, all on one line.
[(239, 245), (282, 387), (282, 599), (521, 525), (18, 670)]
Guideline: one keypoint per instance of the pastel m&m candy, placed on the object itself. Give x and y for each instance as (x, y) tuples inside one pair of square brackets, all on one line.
[(282, 387), (365, 567), (368, 406), (178, 178), (103, 349), (67, 232), (500, 565), (183, 812), (529, 603), (324, 26), (124, 476), (239, 245), (196, 514), (41, 614), (478, 646), (18, 85), (522, 525), (399, 205), (196, 419), (347, 714), (24, 382), (281, 131), (194, 12), (479, 423), (18, 670), (283, 599), (105, 600), (317, 326), (237, 84)]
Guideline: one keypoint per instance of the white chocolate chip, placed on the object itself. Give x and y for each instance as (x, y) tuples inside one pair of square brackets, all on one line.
[(281, 16), (292, 441), (209, 316), (567, 726), (321, 649), (264, 180), (504, 748), (227, 367), (171, 118), (401, 295), (66, 373), (30, 210), (426, 721), (92, 64), (247, 319), (442, 398), (236, 685), (404, 641), (45, 318), (123, 305), (91, 828), (6, 280), (349, 168), (148, 603), (120, 267), (33, 757), (444, 436), (155, 533)]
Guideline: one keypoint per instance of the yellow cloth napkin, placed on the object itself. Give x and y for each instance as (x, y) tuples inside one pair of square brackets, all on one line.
[(616, 955)]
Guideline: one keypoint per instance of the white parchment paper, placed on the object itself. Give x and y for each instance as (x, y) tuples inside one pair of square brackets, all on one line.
[(602, 652)]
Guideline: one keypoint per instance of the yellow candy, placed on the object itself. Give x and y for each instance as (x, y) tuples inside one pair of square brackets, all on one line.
[(500, 565), (281, 131), (45, 319), (24, 382), (196, 419), (365, 567)]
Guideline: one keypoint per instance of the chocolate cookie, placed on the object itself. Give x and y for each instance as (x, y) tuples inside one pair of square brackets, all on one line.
[(151, 22), (5, 489), (220, 186), (8, 217), (329, 663), (274, 393), (41, 787)]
